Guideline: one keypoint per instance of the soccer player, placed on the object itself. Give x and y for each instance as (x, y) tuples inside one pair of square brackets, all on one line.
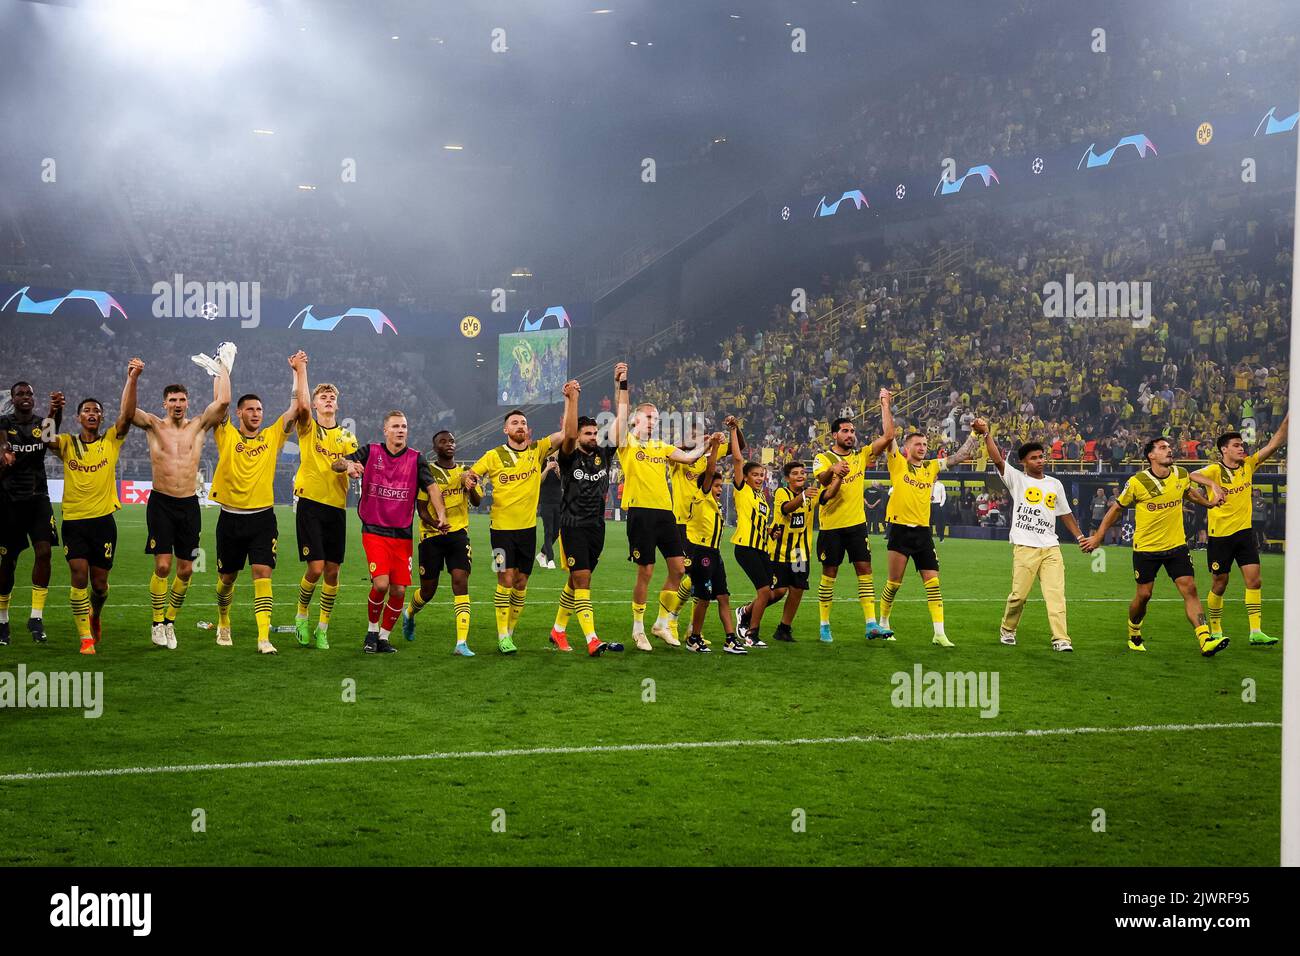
[(912, 479), (1038, 502), (751, 538), (647, 499), (89, 500), (515, 469), (243, 484), (320, 515), (584, 474), (794, 505), (1231, 536), (1160, 540), (392, 475), (450, 548), (843, 528), (172, 516), (683, 479), (25, 510), (708, 572)]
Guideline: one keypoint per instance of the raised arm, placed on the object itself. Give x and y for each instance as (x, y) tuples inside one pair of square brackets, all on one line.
[(711, 465), (737, 443), (569, 437), (967, 450), (886, 424), (126, 414), (302, 391), (1274, 443), (994, 452), (215, 413), (57, 401), (618, 427), (297, 362)]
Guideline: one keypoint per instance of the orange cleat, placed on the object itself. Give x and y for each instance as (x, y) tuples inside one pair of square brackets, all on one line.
[(596, 647), (88, 645), (560, 641)]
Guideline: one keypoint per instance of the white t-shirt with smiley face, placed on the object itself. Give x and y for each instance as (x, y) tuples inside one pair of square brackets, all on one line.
[(1036, 504)]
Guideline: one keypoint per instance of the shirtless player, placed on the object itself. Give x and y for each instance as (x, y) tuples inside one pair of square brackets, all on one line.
[(172, 514)]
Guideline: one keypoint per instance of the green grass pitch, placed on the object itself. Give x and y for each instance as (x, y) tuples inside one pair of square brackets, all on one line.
[(907, 795)]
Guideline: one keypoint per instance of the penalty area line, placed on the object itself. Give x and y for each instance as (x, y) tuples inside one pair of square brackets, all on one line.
[(625, 748)]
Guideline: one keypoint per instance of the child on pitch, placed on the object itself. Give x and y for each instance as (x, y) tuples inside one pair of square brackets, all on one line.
[(707, 570)]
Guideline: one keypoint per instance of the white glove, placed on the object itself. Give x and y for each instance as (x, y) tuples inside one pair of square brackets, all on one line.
[(207, 363), (226, 354)]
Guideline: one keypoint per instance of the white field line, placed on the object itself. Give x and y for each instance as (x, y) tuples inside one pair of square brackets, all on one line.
[(625, 748)]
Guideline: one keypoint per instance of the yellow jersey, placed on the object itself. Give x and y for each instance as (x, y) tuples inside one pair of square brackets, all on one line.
[(1237, 510), (516, 483), (846, 509), (454, 498), (685, 478), (910, 502), (318, 448), (790, 546), (89, 475), (753, 518), (245, 473), (645, 473), (704, 523), (1159, 508)]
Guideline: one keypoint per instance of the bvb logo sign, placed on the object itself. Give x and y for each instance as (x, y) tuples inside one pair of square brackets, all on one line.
[(1204, 133), (470, 327)]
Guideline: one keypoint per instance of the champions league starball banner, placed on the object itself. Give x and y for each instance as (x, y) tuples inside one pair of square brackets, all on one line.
[(224, 305)]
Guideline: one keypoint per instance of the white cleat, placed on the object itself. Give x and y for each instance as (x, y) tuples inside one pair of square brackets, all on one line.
[(1062, 646), (266, 647), (641, 641), (170, 630), (1005, 636), (207, 363), (223, 637), (226, 355), (662, 632), (158, 634), (541, 559), (550, 565), (942, 641)]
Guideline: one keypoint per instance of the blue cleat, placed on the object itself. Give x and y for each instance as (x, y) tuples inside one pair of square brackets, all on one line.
[(824, 635), (462, 650), (874, 631), (408, 625)]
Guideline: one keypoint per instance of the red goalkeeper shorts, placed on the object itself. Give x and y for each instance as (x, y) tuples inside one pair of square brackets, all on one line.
[(389, 557)]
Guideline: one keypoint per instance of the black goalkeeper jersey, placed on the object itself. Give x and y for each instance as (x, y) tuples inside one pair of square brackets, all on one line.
[(585, 481), (24, 480)]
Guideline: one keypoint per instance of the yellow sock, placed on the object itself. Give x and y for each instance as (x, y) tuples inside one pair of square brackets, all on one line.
[(683, 593), (586, 617), (887, 599), (158, 597), (225, 595), (517, 596), (934, 600), (1135, 632), (328, 593), (38, 600), (175, 598), (305, 590), (460, 607), (668, 603), (417, 602), (501, 604), (4, 606), (638, 616), (1255, 608), (1202, 634), (825, 598), (867, 597), (262, 607), (79, 598), (565, 609)]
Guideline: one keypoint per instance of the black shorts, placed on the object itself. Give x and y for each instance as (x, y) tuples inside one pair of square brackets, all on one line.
[(682, 540), (92, 540), (450, 551), (1176, 562), (835, 543), (21, 521), (581, 545), (649, 529), (248, 538), (757, 565), (513, 549), (916, 543), (174, 525), (708, 573), (787, 577), (322, 531), (1239, 546)]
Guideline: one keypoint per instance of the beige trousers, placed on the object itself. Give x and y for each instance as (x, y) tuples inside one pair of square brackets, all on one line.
[(1047, 565)]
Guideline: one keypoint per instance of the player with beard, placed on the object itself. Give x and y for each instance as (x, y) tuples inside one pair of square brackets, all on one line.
[(25, 511)]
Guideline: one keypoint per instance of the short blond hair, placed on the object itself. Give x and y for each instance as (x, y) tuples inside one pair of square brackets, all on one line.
[(394, 413), (324, 387)]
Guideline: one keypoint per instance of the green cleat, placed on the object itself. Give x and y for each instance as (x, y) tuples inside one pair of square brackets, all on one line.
[(1260, 639), (1214, 645), (322, 640), (505, 645), (300, 628)]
